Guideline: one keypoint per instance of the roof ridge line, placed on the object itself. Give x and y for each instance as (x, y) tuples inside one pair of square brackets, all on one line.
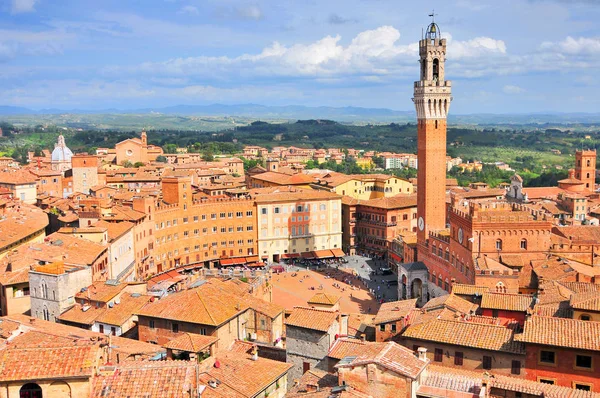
[(205, 307)]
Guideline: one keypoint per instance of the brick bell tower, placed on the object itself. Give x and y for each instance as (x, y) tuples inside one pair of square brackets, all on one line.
[(432, 100)]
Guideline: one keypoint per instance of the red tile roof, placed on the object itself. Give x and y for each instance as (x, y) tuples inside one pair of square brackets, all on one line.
[(507, 301), (475, 335), (395, 310), (311, 318), (154, 379), (191, 342), (323, 298), (204, 305), (561, 332), (391, 356)]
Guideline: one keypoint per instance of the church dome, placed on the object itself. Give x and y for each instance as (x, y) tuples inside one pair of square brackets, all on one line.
[(61, 152)]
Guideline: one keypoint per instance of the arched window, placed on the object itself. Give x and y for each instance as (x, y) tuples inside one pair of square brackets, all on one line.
[(46, 314), (499, 244), (30, 390), (440, 281), (524, 244), (436, 69), (588, 163), (500, 288)]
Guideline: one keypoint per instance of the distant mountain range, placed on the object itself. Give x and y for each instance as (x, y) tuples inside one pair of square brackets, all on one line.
[(348, 114)]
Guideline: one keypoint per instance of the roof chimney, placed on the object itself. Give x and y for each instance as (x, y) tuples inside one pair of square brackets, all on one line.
[(422, 353)]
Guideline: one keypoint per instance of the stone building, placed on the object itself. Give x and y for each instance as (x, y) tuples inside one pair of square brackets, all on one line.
[(85, 172), (135, 150), (54, 286), (310, 333), (61, 156)]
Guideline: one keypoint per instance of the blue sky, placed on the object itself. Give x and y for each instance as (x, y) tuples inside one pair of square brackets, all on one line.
[(503, 56)]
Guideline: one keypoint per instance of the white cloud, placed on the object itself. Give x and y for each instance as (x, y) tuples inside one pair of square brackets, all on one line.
[(20, 6), (510, 89), (574, 46), (189, 10)]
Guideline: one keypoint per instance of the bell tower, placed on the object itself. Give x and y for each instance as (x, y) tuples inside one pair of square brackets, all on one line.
[(432, 99)]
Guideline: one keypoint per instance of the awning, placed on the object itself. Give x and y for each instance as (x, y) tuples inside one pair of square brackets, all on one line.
[(308, 255), (323, 254), (290, 255), (396, 257), (233, 261), (252, 259), (338, 252)]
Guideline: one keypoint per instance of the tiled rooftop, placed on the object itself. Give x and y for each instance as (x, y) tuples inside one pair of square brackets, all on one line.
[(507, 301), (391, 356), (324, 298), (311, 318), (561, 332), (468, 334), (452, 302), (395, 310), (191, 342)]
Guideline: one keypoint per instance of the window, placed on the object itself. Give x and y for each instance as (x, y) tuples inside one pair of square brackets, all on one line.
[(547, 381), (584, 317), (583, 361), (113, 330), (276, 210), (382, 327), (515, 368), (495, 313), (393, 327), (499, 244), (151, 324), (584, 387), (175, 327), (547, 357), (263, 210), (439, 353), (101, 328), (524, 244), (487, 362), (458, 358)]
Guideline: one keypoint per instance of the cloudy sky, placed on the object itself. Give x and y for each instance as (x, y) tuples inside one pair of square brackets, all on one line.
[(503, 56)]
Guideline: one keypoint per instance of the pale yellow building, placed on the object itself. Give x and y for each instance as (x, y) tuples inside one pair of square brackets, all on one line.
[(364, 186), (292, 221)]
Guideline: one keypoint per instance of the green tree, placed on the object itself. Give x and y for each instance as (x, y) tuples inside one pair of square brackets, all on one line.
[(170, 148), (208, 156), (138, 164), (126, 163), (161, 159)]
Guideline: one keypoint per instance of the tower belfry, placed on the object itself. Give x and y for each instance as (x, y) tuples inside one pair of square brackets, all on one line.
[(432, 97)]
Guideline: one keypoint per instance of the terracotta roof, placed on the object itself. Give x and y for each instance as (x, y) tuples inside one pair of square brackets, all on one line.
[(395, 310), (579, 234), (391, 356), (76, 314), (17, 177), (115, 229), (148, 379), (475, 335), (47, 363), (358, 322), (314, 377), (191, 342), (311, 318), (468, 290), (324, 298), (561, 332), (101, 291), (400, 201), (284, 179), (20, 221), (586, 301), (452, 302), (447, 380), (204, 305), (507, 301), (346, 347), (244, 375), (120, 313)]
